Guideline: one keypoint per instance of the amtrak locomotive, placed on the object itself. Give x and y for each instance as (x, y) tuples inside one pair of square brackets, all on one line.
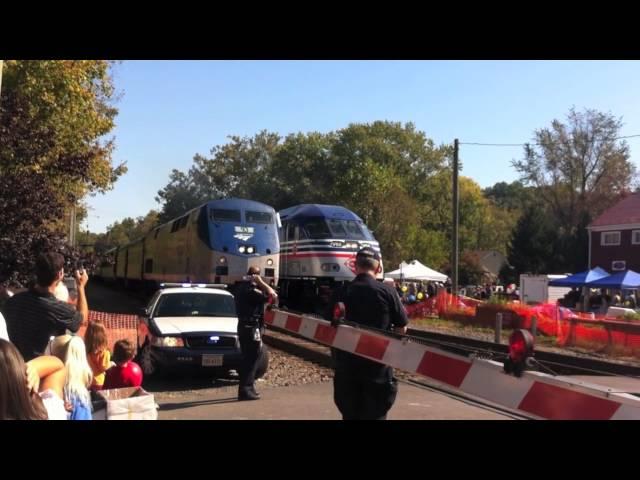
[(214, 243), (318, 246)]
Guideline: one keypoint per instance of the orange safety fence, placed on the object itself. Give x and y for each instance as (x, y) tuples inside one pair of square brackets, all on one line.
[(119, 326), (441, 304), (588, 330)]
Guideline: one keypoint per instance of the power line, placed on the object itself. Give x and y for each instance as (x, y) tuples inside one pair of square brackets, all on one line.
[(529, 143), (496, 144)]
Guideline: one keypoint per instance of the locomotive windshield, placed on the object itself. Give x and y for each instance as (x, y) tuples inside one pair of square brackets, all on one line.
[(223, 215), (258, 217), (336, 228), (317, 228)]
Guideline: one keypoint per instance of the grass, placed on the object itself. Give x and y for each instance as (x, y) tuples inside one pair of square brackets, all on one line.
[(497, 300), (455, 326)]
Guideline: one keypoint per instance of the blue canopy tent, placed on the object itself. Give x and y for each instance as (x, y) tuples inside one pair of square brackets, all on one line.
[(580, 279), (627, 280)]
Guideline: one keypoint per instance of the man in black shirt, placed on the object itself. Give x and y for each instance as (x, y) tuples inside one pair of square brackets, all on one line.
[(36, 315), (250, 296), (365, 389)]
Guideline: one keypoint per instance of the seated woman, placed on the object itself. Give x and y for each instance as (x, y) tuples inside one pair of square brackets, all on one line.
[(31, 391)]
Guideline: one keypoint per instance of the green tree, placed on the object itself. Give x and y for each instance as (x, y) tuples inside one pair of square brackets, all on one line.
[(240, 168), (54, 120), (532, 244), (382, 171), (579, 168), (389, 173), (129, 229), (55, 116), (180, 195), (512, 196), (304, 169), (378, 170)]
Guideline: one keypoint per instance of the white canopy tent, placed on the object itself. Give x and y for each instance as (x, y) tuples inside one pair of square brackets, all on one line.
[(414, 270)]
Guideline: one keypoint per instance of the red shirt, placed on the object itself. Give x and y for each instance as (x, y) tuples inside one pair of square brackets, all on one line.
[(127, 375)]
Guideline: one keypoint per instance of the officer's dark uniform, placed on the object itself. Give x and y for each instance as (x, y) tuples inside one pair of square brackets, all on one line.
[(249, 306), (364, 389)]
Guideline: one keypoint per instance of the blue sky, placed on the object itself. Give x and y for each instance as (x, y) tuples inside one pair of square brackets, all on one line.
[(171, 110)]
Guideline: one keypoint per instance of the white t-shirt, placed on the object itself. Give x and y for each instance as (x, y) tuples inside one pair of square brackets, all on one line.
[(62, 292), (3, 329), (54, 405)]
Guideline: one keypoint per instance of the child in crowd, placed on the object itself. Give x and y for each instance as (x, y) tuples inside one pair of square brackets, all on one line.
[(98, 355), (71, 350), (126, 372)]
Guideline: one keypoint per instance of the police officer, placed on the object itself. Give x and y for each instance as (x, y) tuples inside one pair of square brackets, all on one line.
[(364, 389), (250, 296)]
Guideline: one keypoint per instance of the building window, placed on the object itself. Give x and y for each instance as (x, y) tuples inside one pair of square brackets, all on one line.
[(618, 265), (635, 237), (610, 238)]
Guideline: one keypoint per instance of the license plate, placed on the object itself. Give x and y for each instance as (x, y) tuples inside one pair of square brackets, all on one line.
[(212, 360)]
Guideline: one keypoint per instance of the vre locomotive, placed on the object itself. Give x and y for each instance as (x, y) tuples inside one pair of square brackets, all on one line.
[(318, 246)]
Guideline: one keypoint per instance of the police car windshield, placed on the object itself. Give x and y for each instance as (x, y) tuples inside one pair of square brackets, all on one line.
[(191, 304)]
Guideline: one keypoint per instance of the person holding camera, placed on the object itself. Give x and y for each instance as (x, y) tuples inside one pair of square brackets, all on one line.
[(36, 315), (250, 296)]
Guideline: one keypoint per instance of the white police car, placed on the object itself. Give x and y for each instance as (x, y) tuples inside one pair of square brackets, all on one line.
[(190, 325)]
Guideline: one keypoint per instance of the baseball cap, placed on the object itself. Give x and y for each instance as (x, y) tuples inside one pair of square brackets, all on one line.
[(368, 252)]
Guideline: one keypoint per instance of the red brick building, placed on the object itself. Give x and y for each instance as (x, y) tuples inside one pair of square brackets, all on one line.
[(614, 237)]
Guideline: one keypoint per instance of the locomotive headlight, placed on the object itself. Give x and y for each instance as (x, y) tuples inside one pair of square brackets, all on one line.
[(241, 249), (352, 245), (250, 249), (222, 260), (329, 267), (269, 262)]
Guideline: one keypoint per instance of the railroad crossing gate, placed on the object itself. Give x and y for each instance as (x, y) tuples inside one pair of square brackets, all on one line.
[(535, 394)]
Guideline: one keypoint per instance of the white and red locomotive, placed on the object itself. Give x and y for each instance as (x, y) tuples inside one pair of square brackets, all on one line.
[(318, 246)]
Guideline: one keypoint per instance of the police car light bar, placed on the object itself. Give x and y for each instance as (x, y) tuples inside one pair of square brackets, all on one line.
[(188, 285)]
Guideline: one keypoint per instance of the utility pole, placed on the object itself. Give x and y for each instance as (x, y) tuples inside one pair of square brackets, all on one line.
[(454, 242), (72, 225), (0, 76)]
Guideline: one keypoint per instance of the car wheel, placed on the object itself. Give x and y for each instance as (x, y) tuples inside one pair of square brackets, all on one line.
[(146, 361), (263, 362)]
